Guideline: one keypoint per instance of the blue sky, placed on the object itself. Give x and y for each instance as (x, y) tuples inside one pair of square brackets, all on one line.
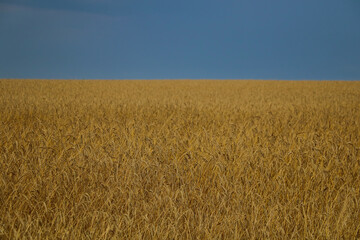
[(138, 39)]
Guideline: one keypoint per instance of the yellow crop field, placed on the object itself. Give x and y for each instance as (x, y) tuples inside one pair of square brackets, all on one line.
[(179, 159)]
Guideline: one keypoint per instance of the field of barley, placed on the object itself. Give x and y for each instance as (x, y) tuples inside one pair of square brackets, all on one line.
[(179, 159)]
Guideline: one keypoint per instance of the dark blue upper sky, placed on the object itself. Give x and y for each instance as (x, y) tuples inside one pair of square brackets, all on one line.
[(139, 39)]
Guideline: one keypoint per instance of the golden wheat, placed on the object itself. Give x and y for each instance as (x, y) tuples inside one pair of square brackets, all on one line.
[(179, 159)]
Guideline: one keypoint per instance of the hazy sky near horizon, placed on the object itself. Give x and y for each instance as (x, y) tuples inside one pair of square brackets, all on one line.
[(161, 39)]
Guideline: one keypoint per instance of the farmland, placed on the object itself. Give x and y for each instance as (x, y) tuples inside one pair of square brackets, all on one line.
[(182, 159)]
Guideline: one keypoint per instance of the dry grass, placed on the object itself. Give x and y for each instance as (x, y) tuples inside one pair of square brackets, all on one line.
[(179, 160)]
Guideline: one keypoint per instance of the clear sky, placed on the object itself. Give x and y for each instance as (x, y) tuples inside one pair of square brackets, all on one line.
[(217, 39)]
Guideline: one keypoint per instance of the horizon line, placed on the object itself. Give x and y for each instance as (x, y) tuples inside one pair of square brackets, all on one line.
[(174, 79)]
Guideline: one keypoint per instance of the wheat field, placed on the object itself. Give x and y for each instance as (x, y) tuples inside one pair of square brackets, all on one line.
[(182, 159)]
